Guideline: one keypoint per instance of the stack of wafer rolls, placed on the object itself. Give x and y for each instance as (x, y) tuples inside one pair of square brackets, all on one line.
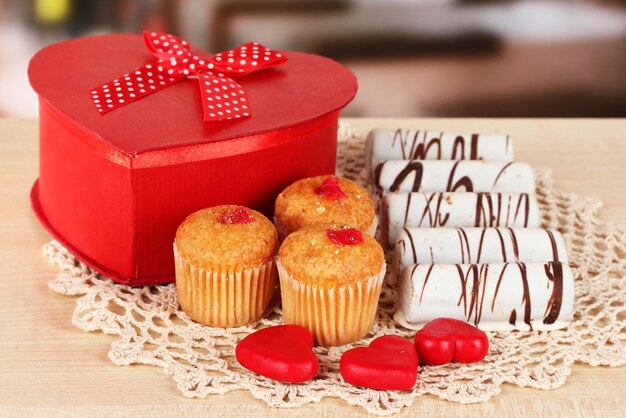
[(462, 217)]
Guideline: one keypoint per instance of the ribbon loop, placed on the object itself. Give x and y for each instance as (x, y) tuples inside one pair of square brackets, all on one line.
[(164, 45), (246, 59), (222, 97)]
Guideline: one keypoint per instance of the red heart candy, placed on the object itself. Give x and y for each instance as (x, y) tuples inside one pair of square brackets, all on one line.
[(389, 363), (445, 339), (283, 352)]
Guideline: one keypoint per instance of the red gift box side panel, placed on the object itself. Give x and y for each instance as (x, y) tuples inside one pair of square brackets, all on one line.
[(121, 220), (167, 195), (87, 210)]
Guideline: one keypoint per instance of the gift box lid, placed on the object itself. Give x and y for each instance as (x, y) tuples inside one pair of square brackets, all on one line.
[(304, 88)]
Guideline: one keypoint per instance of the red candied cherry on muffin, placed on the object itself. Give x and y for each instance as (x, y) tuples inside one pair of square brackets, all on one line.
[(330, 189), (238, 215), (345, 236)]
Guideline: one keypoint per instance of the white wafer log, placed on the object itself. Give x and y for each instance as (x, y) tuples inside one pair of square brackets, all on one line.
[(477, 245), (453, 176), (410, 144), (494, 297), (458, 209)]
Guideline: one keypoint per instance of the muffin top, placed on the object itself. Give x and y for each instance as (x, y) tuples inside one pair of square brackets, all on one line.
[(324, 200), (228, 237), (324, 256)]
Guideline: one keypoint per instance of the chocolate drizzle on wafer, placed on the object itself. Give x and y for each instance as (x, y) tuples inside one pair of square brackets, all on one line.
[(464, 241), (464, 181), (525, 294), (416, 147), (514, 242), (507, 165), (479, 273), (409, 196), (436, 217), (416, 150), (489, 215), (555, 250), (416, 167), (411, 167), (430, 269), (408, 234), (554, 272)]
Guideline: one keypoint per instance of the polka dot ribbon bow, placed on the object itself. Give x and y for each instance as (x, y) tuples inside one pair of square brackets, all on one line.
[(222, 97)]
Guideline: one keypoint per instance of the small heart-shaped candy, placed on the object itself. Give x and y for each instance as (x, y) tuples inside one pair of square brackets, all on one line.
[(388, 363), (283, 353), (445, 339)]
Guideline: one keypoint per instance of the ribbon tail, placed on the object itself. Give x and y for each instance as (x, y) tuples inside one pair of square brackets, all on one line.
[(134, 85), (222, 98)]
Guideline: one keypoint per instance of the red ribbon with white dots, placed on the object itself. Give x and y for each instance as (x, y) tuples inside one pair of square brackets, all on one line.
[(222, 97)]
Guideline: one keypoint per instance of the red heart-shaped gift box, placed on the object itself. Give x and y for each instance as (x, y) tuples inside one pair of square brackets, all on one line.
[(113, 188)]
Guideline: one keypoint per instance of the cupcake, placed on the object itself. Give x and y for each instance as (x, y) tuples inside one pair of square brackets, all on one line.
[(324, 200), (330, 282), (225, 271)]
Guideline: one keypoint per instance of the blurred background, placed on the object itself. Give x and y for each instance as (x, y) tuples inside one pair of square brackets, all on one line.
[(498, 58)]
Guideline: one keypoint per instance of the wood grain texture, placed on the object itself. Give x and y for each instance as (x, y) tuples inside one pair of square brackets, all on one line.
[(49, 368)]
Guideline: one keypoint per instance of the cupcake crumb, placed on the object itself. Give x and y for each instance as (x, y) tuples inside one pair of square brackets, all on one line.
[(320, 210)]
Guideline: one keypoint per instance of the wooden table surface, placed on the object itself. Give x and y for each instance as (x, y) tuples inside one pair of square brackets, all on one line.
[(48, 367)]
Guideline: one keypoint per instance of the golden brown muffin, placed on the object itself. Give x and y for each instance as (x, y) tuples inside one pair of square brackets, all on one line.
[(225, 271), (324, 200), (330, 282)]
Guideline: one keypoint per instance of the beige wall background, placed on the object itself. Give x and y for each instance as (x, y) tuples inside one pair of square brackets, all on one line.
[(489, 58)]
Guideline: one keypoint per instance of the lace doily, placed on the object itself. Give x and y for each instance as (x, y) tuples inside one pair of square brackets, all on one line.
[(150, 328)]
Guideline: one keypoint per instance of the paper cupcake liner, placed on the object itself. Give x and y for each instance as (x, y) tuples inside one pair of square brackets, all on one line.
[(371, 231), (224, 298), (335, 316)]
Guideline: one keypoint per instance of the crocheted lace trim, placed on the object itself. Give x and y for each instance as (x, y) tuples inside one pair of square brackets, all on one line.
[(149, 327)]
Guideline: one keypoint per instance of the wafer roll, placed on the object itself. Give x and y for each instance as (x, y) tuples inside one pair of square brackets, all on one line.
[(477, 245), (453, 176), (459, 209), (410, 144), (494, 297)]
